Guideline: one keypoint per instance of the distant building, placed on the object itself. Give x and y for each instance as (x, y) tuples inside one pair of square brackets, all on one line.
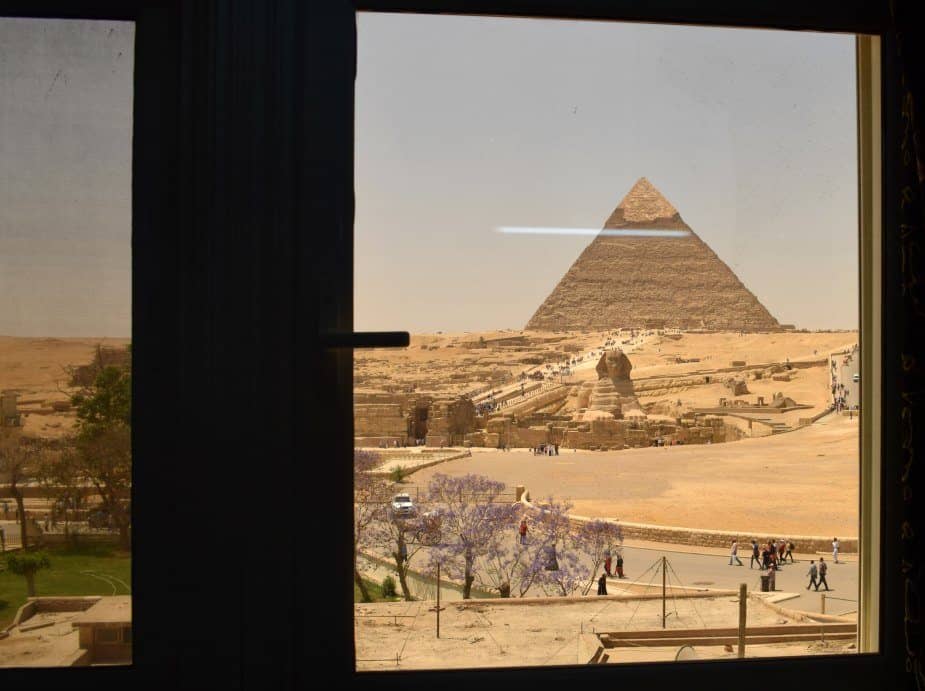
[(9, 415)]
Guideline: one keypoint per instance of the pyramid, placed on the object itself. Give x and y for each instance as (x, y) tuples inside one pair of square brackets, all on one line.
[(648, 268)]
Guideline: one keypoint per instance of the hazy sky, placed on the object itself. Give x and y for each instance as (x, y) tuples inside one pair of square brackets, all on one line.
[(466, 124), (65, 177)]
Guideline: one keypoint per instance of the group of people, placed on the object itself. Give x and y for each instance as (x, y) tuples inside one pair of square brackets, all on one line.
[(617, 571), (617, 568), (486, 407), (840, 392), (817, 573), (774, 553), (546, 450)]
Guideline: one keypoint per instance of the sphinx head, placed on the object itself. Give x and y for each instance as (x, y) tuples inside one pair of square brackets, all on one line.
[(614, 365)]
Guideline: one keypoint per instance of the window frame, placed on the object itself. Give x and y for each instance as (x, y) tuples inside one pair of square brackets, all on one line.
[(877, 111), (202, 276)]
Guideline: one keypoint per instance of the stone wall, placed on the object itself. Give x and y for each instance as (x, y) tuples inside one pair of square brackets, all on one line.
[(698, 537), (601, 434), (526, 437), (715, 538), (538, 401), (378, 442), (749, 427), (379, 420)]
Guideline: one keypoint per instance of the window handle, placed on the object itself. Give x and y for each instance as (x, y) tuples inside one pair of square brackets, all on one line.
[(365, 339)]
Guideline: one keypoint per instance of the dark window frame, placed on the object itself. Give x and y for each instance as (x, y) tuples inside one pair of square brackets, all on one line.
[(875, 669), (242, 247)]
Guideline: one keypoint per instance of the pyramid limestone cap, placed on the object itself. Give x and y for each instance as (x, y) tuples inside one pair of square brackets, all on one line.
[(644, 203)]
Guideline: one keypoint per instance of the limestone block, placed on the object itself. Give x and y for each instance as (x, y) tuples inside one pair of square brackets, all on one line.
[(584, 396), (475, 439), (737, 387), (527, 437)]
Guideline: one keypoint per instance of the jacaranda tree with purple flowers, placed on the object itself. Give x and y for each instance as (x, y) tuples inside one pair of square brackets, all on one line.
[(507, 565), (472, 513), (401, 537), (367, 498), (562, 569), (599, 539)]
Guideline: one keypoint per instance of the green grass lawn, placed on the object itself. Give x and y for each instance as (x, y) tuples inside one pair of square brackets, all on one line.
[(65, 577), (375, 592)]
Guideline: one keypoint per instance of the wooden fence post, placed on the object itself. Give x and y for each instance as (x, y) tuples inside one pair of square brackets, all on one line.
[(743, 604)]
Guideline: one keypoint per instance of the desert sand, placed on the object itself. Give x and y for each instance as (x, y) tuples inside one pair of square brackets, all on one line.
[(36, 368), (488, 635), (804, 482)]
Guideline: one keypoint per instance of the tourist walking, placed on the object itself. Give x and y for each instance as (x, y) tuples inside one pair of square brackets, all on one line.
[(835, 549), (734, 553), (812, 573), (602, 584), (789, 552), (765, 557), (756, 555), (620, 565), (823, 568), (523, 531), (781, 548)]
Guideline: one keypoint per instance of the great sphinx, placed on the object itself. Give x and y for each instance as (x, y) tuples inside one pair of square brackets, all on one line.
[(613, 391)]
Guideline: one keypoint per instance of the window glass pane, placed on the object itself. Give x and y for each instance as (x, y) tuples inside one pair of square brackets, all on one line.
[(628, 258), (65, 337)]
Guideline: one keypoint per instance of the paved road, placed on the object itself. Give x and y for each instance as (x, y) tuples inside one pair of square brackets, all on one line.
[(713, 571)]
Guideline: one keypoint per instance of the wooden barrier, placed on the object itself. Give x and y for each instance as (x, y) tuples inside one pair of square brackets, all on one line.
[(792, 633)]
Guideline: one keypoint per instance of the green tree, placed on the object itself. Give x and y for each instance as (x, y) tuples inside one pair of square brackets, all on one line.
[(104, 442), (19, 458), (61, 473), (27, 564)]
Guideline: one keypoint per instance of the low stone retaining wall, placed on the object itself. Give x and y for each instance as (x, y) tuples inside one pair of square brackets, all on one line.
[(805, 421), (715, 538), (76, 603), (700, 537), (799, 615), (412, 462), (537, 401), (476, 592)]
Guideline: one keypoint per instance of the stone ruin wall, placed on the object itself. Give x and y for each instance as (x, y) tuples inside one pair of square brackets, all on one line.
[(382, 418)]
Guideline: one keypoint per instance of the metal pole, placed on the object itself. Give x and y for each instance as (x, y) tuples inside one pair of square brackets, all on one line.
[(743, 604), (438, 600), (823, 603), (664, 559)]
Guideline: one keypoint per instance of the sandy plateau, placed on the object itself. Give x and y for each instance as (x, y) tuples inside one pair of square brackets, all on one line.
[(803, 481), (36, 369)]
